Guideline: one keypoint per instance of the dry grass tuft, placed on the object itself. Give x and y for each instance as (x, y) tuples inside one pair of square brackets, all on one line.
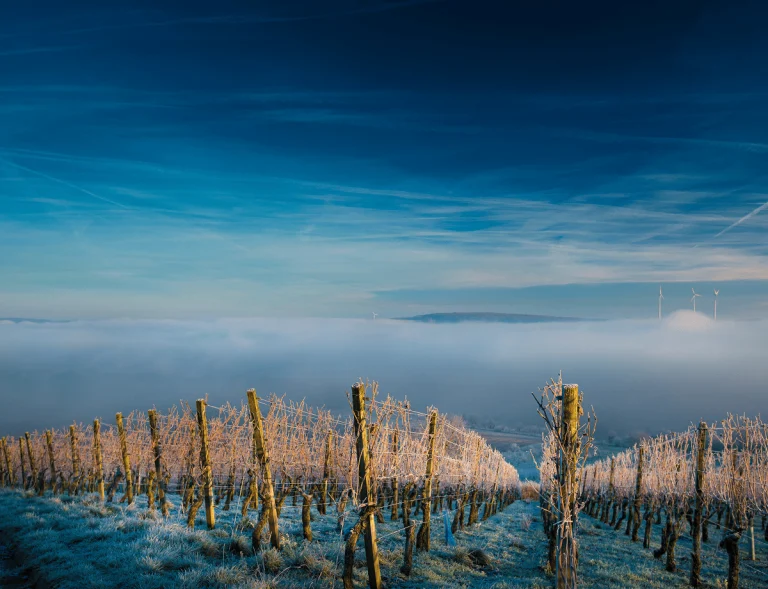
[(241, 546), (272, 561), (208, 547), (461, 556), (525, 522), (529, 491)]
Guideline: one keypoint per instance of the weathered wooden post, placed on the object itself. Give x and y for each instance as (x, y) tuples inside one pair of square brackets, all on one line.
[(75, 457), (23, 469), (395, 482), (422, 538), (326, 472), (32, 461), (9, 471), (260, 451), (363, 461), (638, 495), (51, 460), (205, 463), (97, 458), (126, 458), (747, 458), (698, 509), (155, 434), (8, 464), (569, 452), (4, 474), (610, 500)]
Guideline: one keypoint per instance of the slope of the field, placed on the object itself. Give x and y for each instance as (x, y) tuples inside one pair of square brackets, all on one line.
[(77, 542)]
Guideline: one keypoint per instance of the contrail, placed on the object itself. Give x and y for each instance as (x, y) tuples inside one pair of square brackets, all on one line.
[(165, 213), (746, 217), (64, 182)]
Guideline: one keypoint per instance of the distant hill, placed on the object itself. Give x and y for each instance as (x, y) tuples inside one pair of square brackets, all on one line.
[(29, 320), (487, 318)]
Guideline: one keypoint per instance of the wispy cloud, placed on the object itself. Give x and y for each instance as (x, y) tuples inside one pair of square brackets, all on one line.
[(747, 146), (330, 175), (366, 239)]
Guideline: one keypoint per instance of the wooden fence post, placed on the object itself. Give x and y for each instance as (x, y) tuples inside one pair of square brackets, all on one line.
[(9, 472), (326, 472), (260, 450), (126, 458), (75, 460), (152, 414), (3, 472), (395, 482), (7, 477), (51, 460), (363, 461), (567, 479), (611, 493), (698, 509), (32, 461), (638, 495), (422, 538), (98, 461), (9, 464), (23, 470), (205, 462), (747, 459)]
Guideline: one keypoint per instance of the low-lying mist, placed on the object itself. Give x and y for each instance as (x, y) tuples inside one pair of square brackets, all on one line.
[(640, 376)]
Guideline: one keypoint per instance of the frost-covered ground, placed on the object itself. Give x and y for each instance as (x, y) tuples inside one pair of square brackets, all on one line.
[(77, 542)]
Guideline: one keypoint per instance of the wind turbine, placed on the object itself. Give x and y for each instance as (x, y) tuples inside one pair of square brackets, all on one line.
[(661, 297), (693, 298), (717, 292), (374, 315)]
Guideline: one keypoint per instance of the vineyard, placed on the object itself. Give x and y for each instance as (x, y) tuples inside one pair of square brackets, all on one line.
[(258, 476), (267, 456), (710, 476), (714, 476)]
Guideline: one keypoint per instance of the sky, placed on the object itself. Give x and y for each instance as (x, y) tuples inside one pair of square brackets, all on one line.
[(189, 160)]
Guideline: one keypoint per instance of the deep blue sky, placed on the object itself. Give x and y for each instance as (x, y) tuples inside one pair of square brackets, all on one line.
[(187, 159)]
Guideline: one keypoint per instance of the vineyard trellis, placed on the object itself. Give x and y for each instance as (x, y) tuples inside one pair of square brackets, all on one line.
[(263, 455), (566, 446), (267, 456), (711, 475)]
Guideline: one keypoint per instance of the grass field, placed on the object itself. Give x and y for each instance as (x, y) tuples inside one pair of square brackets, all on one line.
[(77, 542)]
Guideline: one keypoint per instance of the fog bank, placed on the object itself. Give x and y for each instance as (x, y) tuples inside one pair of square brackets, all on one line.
[(640, 376)]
